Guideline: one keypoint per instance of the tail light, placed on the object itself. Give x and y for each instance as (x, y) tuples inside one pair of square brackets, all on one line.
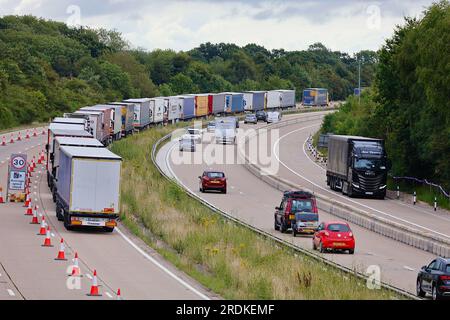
[(444, 278), (288, 209)]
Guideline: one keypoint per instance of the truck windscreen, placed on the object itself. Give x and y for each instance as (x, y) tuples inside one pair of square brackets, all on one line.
[(374, 164)]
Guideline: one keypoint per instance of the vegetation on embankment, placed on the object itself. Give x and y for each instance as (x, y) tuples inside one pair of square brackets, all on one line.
[(229, 259), (408, 104), (48, 68)]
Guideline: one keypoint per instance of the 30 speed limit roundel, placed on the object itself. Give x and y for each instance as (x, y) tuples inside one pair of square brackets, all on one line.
[(18, 162)]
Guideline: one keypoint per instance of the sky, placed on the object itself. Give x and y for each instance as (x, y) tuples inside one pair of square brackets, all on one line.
[(344, 25)]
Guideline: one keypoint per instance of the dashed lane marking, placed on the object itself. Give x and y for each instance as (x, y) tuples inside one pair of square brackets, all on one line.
[(109, 295), (408, 268), (11, 293)]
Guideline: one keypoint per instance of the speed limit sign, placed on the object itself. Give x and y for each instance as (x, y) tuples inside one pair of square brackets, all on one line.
[(18, 162)]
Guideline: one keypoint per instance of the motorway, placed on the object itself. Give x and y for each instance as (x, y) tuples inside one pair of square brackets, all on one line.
[(253, 201), (29, 271)]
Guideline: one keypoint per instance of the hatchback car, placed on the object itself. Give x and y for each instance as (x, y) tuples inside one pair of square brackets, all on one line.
[(334, 235), (291, 203), (187, 144), (195, 134), (434, 279), (305, 223), (250, 118), (261, 115), (213, 180)]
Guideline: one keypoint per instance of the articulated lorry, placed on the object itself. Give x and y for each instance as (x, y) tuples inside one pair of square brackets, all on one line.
[(88, 187), (357, 166)]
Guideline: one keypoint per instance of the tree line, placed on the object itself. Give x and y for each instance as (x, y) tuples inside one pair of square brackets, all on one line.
[(408, 103), (47, 68)]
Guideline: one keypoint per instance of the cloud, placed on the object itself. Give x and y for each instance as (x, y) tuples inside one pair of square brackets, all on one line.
[(183, 24)]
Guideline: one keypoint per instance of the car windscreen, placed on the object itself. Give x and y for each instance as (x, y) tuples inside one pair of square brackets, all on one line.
[(337, 227), (301, 205), (447, 269), (302, 216), (215, 175), (193, 131)]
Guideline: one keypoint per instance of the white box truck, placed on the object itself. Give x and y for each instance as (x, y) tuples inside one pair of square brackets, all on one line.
[(175, 108), (157, 105), (88, 187), (141, 113), (115, 118), (273, 99), (287, 98)]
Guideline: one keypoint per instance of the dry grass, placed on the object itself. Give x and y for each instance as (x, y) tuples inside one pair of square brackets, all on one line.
[(232, 261)]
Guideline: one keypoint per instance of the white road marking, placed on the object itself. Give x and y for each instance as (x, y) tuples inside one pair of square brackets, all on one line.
[(53, 235), (408, 268), (163, 268), (89, 276), (338, 195), (108, 294), (11, 293)]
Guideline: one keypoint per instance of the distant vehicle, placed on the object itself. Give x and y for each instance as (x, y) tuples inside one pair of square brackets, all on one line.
[(273, 117), (315, 97), (213, 180), (291, 203), (261, 115), (211, 127), (334, 235), (88, 187), (195, 134), (434, 279), (187, 144), (305, 222), (225, 131), (357, 166), (250, 118)]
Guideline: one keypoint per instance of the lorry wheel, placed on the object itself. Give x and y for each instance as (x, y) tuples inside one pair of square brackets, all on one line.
[(66, 221), (59, 216)]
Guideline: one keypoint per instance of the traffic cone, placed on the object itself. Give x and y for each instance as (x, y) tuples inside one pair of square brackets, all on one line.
[(75, 269), (35, 133), (94, 287), (4, 141), (35, 219), (12, 138), (47, 240), (27, 199), (42, 231), (28, 135), (19, 136), (29, 211), (61, 255), (1, 195), (119, 297)]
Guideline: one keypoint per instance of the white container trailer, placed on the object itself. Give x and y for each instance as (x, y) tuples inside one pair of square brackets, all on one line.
[(157, 105), (88, 187), (115, 118), (141, 112), (175, 108), (68, 120), (96, 125), (287, 98), (55, 155), (273, 99)]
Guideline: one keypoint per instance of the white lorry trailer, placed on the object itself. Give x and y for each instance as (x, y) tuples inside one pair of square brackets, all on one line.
[(88, 187)]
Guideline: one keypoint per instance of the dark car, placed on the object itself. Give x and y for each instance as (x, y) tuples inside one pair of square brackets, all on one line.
[(213, 180), (261, 115), (434, 279), (293, 202)]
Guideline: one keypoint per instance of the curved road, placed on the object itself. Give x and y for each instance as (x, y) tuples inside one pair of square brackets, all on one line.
[(253, 201), (29, 271)]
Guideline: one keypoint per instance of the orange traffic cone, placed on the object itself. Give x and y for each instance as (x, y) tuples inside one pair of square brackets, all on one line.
[(28, 135), (119, 297), (12, 138), (34, 220), (42, 231), (35, 133), (61, 255), (1, 195), (19, 136), (75, 268), (29, 211), (94, 286), (27, 199), (47, 240), (4, 141)]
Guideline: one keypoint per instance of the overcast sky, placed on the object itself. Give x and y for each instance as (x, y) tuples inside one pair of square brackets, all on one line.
[(343, 25)]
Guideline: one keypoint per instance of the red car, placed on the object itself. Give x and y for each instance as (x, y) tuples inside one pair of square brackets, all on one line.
[(213, 180), (334, 235)]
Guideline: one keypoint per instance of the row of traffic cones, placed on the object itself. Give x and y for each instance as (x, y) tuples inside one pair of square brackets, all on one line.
[(45, 230), (19, 136)]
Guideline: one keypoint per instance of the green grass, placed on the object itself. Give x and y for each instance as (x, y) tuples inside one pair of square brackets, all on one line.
[(423, 192), (231, 260)]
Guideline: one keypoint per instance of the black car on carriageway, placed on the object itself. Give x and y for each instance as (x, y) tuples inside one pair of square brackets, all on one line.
[(434, 279)]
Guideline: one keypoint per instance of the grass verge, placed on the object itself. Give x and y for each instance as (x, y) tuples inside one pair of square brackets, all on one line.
[(231, 260)]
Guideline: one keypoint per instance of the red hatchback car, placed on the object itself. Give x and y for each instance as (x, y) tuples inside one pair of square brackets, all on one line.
[(213, 180), (334, 235)]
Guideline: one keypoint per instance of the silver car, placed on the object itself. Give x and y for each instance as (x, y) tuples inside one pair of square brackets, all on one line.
[(187, 144)]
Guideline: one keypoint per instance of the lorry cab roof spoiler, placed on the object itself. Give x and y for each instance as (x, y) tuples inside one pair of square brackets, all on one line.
[(78, 141), (92, 153), (69, 120), (71, 133), (342, 137)]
